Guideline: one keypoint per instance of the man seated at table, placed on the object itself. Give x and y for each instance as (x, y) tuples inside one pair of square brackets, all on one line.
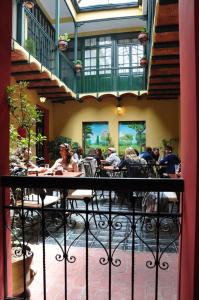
[(168, 161), (112, 159), (21, 162)]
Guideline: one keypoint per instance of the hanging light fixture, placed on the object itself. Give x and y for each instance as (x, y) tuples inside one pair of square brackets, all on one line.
[(42, 99), (29, 4), (118, 106)]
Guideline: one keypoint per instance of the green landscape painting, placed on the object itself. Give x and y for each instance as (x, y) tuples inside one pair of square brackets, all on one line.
[(95, 135), (132, 134)]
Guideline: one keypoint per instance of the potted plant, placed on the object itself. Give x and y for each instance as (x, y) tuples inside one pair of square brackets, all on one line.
[(63, 41), (77, 65), (143, 61), (24, 116), (143, 37)]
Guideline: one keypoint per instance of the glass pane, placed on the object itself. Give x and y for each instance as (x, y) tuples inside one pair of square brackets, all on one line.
[(93, 41), (105, 40), (102, 51), (93, 53)]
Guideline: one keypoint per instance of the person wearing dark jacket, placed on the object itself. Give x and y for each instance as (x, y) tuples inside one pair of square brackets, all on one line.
[(169, 161)]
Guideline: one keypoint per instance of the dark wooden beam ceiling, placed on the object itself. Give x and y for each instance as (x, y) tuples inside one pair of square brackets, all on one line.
[(164, 67), (24, 70)]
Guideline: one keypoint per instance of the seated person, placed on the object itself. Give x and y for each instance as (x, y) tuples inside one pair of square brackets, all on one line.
[(77, 154), (169, 161), (147, 155), (130, 157), (98, 156), (112, 159), (155, 153), (24, 162), (66, 162)]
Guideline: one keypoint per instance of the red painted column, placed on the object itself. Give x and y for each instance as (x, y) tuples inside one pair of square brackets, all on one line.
[(5, 53), (189, 73)]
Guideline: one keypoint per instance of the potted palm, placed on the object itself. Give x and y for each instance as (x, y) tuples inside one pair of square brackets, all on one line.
[(77, 65), (63, 41)]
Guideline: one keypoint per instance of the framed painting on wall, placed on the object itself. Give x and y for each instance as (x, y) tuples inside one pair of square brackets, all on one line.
[(132, 134), (95, 135)]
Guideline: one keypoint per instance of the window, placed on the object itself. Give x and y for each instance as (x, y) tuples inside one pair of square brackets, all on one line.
[(123, 59), (90, 62), (93, 3), (103, 55)]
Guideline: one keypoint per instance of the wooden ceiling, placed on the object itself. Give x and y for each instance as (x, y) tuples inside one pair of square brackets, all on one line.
[(24, 68), (164, 70)]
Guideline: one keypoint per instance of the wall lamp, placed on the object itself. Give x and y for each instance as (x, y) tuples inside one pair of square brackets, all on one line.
[(118, 106), (42, 99)]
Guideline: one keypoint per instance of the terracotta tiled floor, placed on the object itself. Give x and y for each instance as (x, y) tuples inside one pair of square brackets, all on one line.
[(98, 276)]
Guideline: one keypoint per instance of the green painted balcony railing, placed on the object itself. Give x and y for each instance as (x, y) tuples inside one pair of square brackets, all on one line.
[(113, 79), (40, 45)]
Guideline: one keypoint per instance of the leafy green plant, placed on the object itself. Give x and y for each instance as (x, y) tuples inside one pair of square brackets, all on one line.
[(64, 37), (77, 62), (30, 46), (23, 115)]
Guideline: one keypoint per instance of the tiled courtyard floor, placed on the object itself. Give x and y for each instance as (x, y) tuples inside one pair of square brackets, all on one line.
[(98, 274)]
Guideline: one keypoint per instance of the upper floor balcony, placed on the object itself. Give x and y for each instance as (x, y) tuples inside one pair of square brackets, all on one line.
[(110, 61)]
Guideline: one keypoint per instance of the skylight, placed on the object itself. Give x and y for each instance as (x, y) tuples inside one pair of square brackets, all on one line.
[(92, 3)]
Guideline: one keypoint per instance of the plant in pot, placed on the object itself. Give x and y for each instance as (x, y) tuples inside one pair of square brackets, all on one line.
[(77, 65), (143, 61), (143, 37), (23, 116), (63, 41)]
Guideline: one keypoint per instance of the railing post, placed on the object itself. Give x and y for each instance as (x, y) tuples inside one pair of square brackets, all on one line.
[(57, 28), (75, 52)]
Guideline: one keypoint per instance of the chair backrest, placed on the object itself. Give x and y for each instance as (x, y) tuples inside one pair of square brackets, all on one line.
[(136, 170), (88, 169)]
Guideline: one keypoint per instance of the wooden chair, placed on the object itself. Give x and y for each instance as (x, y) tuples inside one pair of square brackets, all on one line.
[(80, 194)]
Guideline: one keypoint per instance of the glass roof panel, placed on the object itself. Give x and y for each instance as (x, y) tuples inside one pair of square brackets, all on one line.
[(93, 3)]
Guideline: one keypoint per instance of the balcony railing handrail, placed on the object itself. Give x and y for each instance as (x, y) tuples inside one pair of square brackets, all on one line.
[(31, 16), (124, 184)]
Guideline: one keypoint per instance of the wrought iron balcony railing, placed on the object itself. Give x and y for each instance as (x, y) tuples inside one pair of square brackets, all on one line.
[(115, 234)]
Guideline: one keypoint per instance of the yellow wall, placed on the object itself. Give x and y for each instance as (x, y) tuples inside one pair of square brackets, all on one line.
[(161, 116)]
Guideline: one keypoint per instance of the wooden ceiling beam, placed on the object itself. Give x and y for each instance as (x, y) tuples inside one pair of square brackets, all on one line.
[(164, 90), (27, 77), (167, 2), (166, 28), (174, 44), (164, 37), (162, 57), (165, 72), (25, 68), (43, 84), (165, 51), (51, 90), (56, 95), (165, 66)]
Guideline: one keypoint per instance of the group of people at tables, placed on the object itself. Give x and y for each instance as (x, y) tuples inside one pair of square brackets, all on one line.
[(70, 161)]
